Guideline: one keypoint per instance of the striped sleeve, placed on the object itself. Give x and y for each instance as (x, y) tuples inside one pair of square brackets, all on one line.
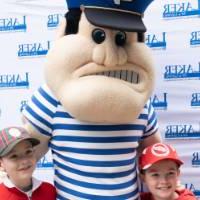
[(152, 124), (41, 109)]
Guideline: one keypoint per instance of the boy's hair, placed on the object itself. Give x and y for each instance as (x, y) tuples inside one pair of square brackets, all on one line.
[(157, 152), (11, 136)]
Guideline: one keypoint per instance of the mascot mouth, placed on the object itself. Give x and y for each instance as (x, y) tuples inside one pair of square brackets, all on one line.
[(125, 75)]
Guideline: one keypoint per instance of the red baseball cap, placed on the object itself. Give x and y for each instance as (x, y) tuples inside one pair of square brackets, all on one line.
[(11, 136), (157, 152)]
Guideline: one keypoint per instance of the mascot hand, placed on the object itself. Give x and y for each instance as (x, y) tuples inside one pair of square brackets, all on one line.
[(42, 148)]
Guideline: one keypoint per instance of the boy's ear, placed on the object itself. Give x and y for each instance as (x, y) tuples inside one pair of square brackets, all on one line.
[(1, 167), (178, 171), (142, 177), (2, 172)]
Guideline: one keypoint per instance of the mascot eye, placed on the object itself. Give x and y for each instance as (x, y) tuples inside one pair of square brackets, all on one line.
[(98, 35), (120, 38)]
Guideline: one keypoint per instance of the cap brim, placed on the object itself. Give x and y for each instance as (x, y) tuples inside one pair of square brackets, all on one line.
[(115, 19), (33, 141), (179, 162)]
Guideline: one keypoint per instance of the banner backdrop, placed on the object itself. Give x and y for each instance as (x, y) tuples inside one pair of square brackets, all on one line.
[(27, 31)]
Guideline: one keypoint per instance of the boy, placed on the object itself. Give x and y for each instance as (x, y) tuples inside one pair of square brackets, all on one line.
[(159, 167), (17, 159)]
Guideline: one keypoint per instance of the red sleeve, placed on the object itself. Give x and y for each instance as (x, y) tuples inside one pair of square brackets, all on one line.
[(186, 195), (45, 191), (145, 196)]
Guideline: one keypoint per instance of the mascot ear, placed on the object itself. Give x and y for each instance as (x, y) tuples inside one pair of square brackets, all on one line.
[(141, 37), (72, 19), (69, 25)]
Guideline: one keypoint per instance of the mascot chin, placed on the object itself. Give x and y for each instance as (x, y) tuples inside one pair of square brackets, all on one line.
[(94, 112)]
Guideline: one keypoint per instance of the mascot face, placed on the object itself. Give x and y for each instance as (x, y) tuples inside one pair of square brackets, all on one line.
[(100, 75)]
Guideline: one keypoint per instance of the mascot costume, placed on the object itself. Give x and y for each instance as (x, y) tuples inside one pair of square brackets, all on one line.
[(93, 111)]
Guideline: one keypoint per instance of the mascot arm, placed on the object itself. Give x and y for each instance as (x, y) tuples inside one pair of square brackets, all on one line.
[(154, 138), (38, 116), (42, 148)]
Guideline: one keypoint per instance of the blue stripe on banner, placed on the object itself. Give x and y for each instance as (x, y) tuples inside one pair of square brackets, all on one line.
[(63, 115), (48, 97), (93, 174), (83, 127), (38, 118), (96, 139), (93, 151), (42, 107), (97, 163), (93, 197), (97, 186)]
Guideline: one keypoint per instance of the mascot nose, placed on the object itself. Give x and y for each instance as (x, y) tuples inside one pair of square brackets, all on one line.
[(109, 54)]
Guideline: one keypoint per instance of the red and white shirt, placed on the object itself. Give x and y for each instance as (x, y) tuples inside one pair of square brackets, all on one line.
[(40, 191), (183, 195)]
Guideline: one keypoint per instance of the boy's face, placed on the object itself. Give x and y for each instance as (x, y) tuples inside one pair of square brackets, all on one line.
[(19, 164), (161, 179)]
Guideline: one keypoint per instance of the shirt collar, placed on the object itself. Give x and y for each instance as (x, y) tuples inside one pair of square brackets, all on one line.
[(36, 183)]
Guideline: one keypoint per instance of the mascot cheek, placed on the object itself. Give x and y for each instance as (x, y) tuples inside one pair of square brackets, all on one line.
[(99, 99), (63, 61)]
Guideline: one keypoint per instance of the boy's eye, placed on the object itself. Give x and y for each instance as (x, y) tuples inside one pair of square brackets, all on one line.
[(171, 173), (14, 156), (155, 175), (29, 152)]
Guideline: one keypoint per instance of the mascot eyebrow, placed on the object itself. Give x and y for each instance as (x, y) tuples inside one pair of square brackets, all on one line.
[(73, 17)]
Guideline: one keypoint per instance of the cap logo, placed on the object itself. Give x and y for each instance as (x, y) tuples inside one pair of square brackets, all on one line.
[(160, 150), (119, 1), (14, 132)]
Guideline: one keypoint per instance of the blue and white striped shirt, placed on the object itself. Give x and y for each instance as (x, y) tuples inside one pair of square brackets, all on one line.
[(92, 161)]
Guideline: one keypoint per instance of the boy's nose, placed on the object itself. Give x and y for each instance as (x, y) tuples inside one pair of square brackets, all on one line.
[(163, 179), (24, 157)]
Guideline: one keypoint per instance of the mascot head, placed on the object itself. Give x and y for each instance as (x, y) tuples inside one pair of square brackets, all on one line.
[(101, 71)]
